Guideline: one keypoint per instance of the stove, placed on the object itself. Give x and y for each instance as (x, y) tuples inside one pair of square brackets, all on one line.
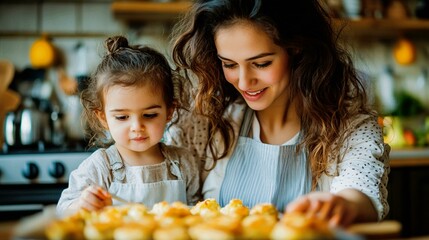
[(31, 179), (39, 168)]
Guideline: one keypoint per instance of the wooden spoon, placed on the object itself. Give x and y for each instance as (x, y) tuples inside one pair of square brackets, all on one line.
[(6, 74), (9, 101)]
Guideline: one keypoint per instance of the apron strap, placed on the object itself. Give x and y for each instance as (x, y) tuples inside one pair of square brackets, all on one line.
[(116, 165), (247, 122), (173, 158)]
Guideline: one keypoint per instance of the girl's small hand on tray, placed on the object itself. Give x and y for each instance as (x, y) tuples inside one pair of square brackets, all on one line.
[(95, 198)]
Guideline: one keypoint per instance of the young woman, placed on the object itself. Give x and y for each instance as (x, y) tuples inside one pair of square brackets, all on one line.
[(127, 106), (280, 114)]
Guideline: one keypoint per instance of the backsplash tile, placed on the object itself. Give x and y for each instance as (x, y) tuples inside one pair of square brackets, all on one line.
[(97, 17), (18, 17), (16, 50), (59, 17), (70, 22)]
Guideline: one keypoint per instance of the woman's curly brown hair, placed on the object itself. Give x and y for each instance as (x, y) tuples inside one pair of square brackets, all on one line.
[(323, 79)]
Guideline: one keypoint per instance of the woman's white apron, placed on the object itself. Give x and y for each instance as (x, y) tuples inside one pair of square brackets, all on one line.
[(264, 173)]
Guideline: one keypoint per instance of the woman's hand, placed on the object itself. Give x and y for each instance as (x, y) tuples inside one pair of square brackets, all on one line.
[(94, 198), (336, 209)]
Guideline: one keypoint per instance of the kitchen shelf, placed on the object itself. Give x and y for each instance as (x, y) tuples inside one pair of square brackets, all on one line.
[(413, 157), (139, 11), (54, 34), (384, 28), (142, 11)]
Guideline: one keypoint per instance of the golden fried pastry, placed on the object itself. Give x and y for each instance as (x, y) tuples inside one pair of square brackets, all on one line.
[(204, 232), (132, 231), (235, 208), (69, 227), (177, 209), (192, 220), (258, 226), (148, 222), (100, 230), (220, 227), (264, 209), (110, 214), (299, 226), (207, 208), (137, 211), (81, 215), (205, 220), (64, 229), (171, 233), (160, 208), (165, 221)]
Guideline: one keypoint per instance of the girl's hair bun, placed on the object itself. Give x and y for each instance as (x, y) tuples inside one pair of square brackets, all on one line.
[(115, 43)]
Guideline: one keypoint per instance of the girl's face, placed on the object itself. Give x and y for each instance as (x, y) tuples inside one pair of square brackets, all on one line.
[(254, 65), (136, 117)]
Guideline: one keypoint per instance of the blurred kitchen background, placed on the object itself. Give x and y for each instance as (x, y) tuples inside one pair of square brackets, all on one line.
[(48, 48)]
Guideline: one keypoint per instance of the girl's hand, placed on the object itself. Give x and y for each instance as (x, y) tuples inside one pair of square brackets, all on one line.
[(94, 198), (334, 208)]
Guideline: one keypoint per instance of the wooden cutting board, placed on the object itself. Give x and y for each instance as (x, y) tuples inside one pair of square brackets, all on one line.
[(387, 229)]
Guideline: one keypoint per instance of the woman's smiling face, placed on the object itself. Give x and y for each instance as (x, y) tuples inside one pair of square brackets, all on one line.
[(253, 64)]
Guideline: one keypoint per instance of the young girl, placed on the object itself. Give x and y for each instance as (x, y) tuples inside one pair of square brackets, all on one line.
[(285, 116), (127, 106)]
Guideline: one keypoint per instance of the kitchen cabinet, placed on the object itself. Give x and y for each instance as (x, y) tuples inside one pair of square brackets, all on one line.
[(409, 191)]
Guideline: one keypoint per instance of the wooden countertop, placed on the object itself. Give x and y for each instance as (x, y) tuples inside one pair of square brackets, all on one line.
[(382, 230), (6, 229), (413, 157)]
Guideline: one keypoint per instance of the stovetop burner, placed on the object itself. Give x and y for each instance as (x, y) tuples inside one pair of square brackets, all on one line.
[(41, 165)]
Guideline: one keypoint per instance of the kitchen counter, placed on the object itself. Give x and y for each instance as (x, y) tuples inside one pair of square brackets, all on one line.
[(413, 157), (29, 227), (408, 198), (6, 229), (400, 159)]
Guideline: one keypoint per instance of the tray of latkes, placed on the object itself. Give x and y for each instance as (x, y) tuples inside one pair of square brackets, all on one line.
[(204, 221)]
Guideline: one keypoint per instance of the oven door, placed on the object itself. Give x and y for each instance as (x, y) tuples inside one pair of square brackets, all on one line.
[(20, 200)]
